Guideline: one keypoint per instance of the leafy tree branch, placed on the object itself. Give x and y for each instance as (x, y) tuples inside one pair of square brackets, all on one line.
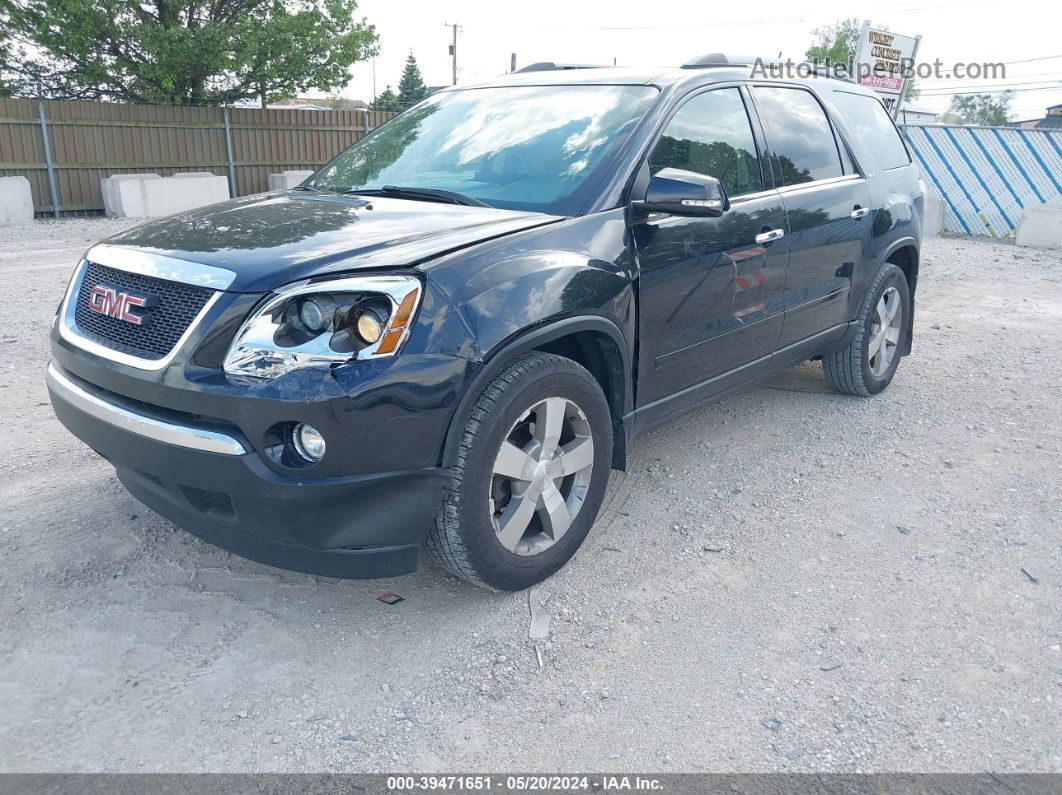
[(197, 52)]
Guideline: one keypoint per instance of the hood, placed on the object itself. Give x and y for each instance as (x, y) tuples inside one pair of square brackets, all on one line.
[(272, 239)]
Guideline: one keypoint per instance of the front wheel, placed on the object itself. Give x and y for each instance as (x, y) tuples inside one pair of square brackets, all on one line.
[(530, 475), (868, 363)]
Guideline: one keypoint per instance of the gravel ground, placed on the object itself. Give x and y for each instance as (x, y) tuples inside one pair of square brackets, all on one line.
[(787, 580)]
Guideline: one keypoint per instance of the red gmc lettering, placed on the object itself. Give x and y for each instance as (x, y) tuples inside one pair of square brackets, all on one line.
[(110, 302)]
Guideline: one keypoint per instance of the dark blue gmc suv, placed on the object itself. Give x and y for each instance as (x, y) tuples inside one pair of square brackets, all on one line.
[(453, 330)]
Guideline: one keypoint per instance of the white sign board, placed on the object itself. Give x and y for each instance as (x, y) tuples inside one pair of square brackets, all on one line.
[(884, 62)]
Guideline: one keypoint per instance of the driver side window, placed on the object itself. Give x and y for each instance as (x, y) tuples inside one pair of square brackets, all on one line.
[(711, 135)]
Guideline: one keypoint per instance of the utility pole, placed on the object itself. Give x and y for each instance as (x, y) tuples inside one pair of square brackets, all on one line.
[(512, 63), (453, 49)]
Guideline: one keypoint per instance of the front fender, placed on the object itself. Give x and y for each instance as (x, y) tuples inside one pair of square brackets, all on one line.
[(512, 296), (527, 290), (528, 302), (577, 266)]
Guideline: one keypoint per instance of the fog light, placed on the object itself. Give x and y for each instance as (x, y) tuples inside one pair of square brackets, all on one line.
[(308, 442)]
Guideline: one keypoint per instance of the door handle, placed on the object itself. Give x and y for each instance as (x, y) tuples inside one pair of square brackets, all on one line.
[(767, 237), (859, 212)]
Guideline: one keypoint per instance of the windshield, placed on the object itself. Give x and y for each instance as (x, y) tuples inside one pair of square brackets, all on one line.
[(521, 147)]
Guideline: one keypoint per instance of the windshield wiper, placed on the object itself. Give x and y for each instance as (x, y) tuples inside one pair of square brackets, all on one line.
[(420, 194), (328, 190)]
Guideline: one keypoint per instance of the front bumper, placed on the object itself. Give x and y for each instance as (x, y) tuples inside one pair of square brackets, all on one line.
[(207, 479)]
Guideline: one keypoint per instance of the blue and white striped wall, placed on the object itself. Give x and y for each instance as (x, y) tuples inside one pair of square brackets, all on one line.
[(987, 175)]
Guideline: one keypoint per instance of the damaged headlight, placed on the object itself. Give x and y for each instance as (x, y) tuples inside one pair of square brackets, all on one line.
[(325, 322)]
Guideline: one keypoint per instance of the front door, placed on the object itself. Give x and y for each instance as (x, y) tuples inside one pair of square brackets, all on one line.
[(709, 288), (827, 205)]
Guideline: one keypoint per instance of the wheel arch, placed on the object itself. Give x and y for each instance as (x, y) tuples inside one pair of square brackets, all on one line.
[(593, 341), (904, 254)]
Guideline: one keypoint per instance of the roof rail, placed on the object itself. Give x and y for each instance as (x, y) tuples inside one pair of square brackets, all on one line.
[(722, 59), (550, 66)]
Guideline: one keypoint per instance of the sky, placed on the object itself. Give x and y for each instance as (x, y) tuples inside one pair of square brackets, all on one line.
[(670, 32)]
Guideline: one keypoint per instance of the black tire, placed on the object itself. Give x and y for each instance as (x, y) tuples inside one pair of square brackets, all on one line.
[(463, 538), (849, 369)]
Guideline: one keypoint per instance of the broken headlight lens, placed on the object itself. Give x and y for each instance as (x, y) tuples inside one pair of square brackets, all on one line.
[(323, 323)]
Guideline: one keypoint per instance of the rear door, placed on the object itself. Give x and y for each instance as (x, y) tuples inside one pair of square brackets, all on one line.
[(708, 290), (827, 206)]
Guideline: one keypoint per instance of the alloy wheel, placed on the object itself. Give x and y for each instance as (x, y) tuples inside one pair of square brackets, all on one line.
[(885, 332), (541, 476)]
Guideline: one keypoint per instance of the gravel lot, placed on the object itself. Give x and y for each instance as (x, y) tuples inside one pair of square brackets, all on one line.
[(787, 580)]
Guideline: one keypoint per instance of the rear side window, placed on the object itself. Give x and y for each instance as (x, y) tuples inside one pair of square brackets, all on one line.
[(711, 135), (869, 122), (798, 134)]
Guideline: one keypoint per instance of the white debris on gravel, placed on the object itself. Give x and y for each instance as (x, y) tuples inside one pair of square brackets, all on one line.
[(751, 546)]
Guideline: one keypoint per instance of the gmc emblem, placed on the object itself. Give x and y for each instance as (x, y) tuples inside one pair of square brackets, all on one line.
[(114, 303)]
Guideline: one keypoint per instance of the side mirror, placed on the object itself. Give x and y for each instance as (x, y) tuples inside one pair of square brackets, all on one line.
[(678, 192)]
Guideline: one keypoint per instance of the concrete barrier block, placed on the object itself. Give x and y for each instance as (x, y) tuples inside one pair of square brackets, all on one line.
[(287, 179), (1041, 227), (127, 195), (16, 201), (182, 192), (148, 195), (112, 196), (933, 221)]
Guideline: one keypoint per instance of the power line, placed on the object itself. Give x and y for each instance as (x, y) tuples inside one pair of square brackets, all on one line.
[(968, 93), (931, 82), (950, 72), (759, 21), (1030, 60), (994, 86), (776, 20)]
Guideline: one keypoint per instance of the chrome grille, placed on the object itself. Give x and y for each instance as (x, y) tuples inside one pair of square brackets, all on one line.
[(176, 306)]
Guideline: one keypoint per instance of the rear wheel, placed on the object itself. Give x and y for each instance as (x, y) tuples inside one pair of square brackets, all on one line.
[(868, 363), (531, 472)]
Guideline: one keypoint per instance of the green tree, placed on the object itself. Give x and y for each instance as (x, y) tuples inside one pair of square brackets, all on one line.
[(837, 44), (990, 110), (7, 85), (388, 100), (190, 52), (411, 88), (368, 158), (16, 75)]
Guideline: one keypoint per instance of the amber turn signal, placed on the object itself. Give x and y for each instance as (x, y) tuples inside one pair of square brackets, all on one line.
[(398, 323)]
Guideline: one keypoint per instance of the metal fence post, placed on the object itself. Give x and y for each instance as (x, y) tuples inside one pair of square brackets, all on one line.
[(228, 153), (48, 160), (365, 122)]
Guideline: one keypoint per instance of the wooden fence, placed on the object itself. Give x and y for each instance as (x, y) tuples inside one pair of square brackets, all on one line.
[(65, 148)]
